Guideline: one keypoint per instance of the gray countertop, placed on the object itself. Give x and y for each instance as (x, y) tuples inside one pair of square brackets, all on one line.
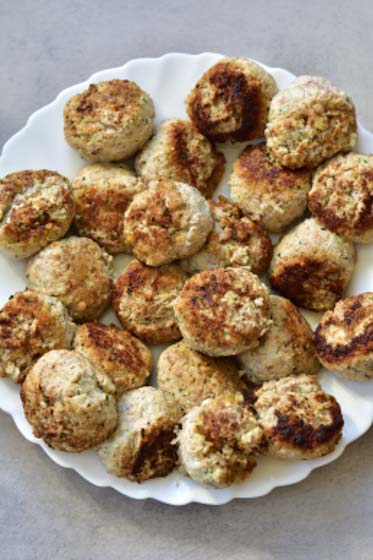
[(49, 512)]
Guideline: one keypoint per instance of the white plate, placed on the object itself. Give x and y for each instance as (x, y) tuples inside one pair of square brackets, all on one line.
[(41, 144)]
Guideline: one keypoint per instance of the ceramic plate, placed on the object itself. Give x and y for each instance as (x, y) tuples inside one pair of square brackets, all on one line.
[(41, 144)]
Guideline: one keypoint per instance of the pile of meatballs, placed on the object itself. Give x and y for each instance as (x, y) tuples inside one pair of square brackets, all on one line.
[(240, 377)]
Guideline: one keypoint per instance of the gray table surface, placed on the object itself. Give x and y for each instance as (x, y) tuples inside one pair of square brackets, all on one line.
[(48, 512)]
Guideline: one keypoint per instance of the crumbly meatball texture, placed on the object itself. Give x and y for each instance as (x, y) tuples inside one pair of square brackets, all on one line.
[(341, 197), (309, 122), (103, 192), (168, 221), (218, 441), (287, 348), (312, 266), (230, 101), (68, 403), (223, 312), (344, 338), (36, 207), (144, 300), (31, 324), (78, 272), (178, 151), (191, 377), (300, 420), (118, 354), (236, 240), (109, 121), (272, 195), (142, 448)]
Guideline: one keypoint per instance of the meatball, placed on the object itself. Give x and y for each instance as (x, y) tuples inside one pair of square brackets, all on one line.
[(223, 312), (341, 197), (168, 221), (36, 207), (287, 347), (344, 338), (300, 420), (218, 441), (230, 101), (142, 446), (190, 377), (312, 266), (109, 121), (178, 151), (68, 403), (272, 195), (144, 300), (102, 193), (31, 324), (118, 354), (235, 241), (309, 122), (78, 272)]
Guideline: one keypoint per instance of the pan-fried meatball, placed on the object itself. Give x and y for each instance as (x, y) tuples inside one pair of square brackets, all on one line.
[(109, 121), (178, 151), (312, 266), (36, 207), (230, 101), (344, 338)]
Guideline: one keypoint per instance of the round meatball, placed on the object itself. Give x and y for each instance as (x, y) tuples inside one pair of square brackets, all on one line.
[(309, 122), (191, 377), (218, 441), (272, 195), (312, 266), (144, 300), (68, 403), (103, 192), (142, 446), (223, 312), (178, 151), (344, 338), (31, 324), (287, 347), (341, 197), (118, 354), (230, 101), (168, 221), (109, 121), (78, 272), (36, 207), (300, 420), (235, 241)]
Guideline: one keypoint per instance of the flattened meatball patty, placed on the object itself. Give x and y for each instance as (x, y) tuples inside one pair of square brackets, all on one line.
[(76, 271), (230, 101), (235, 241), (341, 197), (31, 324), (300, 420), (309, 122), (223, 312), (102, 193), (344, 338), (312, 266), (168, 221), (141, 448), (272, 195), (178, 151), (287, 347), (144, 300), (109, 121), (36, 207), (68, 403)]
